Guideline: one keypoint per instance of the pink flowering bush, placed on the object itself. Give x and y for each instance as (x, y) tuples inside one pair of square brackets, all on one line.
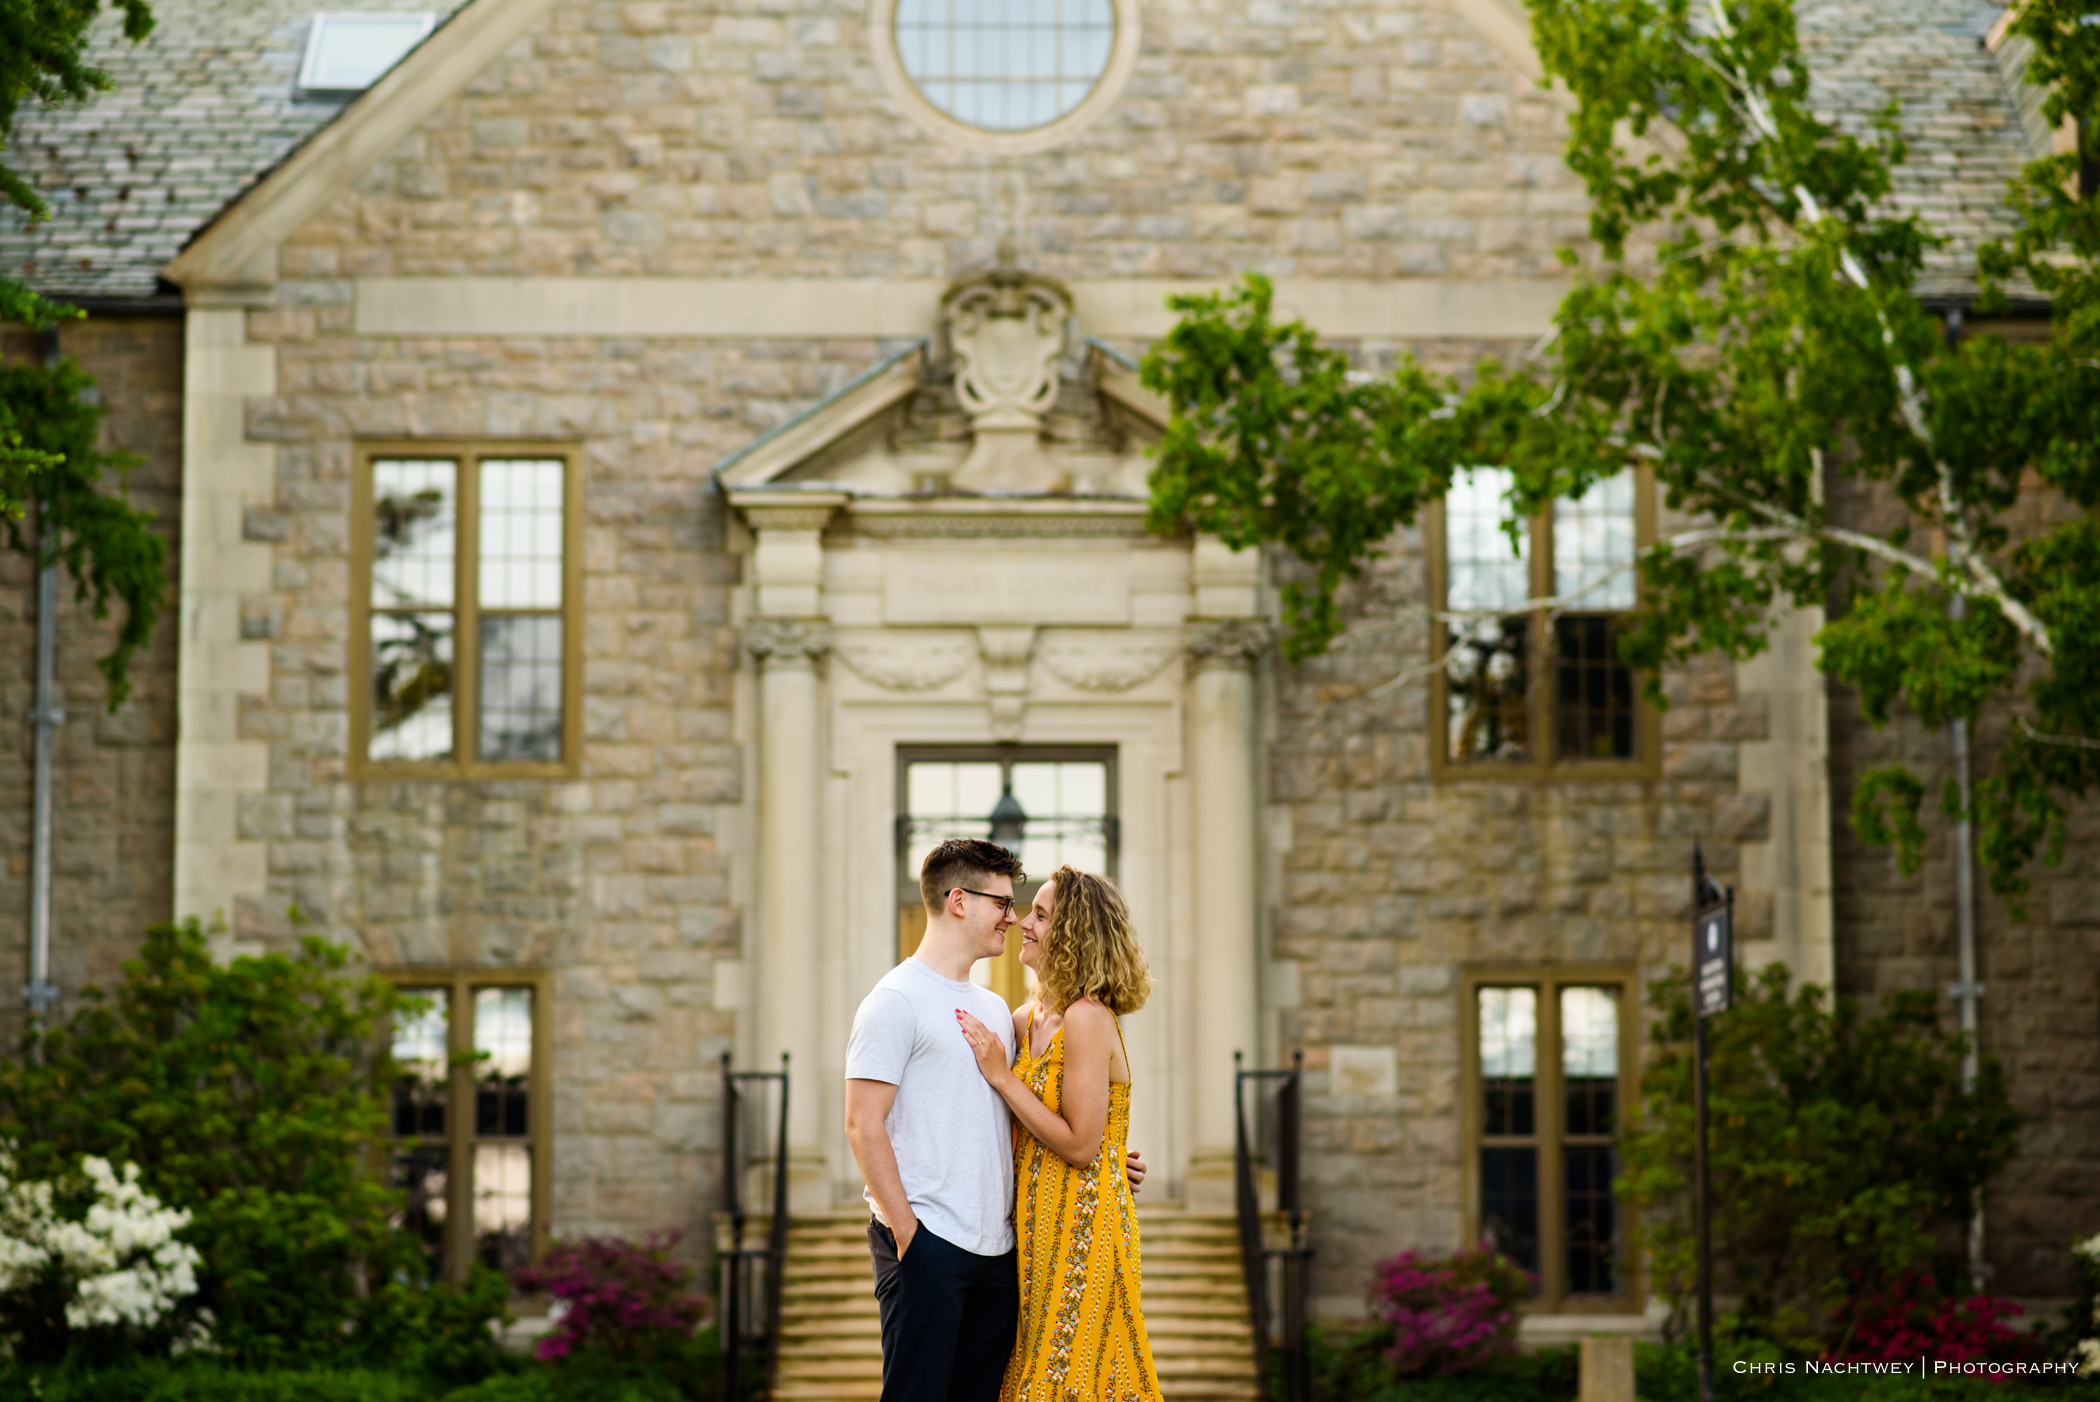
[(615, 1295), (1912, 1317), (1449, 1314)]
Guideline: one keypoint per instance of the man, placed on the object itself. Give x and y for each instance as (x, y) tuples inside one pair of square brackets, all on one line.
[(934, 1143)]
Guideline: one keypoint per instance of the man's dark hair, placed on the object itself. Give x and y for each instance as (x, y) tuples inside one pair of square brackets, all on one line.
[(964, 861)]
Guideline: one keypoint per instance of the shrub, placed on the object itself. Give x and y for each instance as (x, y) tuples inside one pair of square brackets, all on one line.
[(687, 1370), (1802, 1219), (1448, 1314), (432, 1329), (1912, 1317), (205, 1380), (1357, 1369), (248, 1094), (617, 1297)]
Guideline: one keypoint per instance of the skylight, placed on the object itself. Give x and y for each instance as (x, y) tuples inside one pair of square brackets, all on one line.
[(348, 52)]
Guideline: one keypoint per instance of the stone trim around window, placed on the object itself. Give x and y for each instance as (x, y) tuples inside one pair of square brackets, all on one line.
[(469, 1136), (537, 623), (1549, 1132), (1533, 643)]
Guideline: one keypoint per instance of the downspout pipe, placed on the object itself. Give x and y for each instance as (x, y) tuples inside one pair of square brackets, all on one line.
[(41, 993), (1967, 991)]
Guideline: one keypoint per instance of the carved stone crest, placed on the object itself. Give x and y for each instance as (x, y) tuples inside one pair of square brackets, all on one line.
[(1006, 329)]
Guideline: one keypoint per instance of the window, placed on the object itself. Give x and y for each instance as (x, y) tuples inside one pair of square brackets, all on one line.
[(468, 563), (1005, 65), (1548, 1066), (347, 53), (1005, 76), (1527, 696), (476, 1180), (1051, 806)]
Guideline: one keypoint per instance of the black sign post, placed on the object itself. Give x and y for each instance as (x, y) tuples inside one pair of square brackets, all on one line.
[(1713, 988)]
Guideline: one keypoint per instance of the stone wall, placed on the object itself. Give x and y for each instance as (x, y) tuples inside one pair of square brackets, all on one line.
[(2040, 1014), (724, 139), (114, 789), (618, 882), (1388, 884), (732, 140)]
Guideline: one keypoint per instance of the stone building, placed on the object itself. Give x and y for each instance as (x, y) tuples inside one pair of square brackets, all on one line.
[(641, 471)]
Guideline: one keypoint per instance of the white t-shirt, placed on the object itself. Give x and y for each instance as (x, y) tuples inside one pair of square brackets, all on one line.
[(948, 1126)]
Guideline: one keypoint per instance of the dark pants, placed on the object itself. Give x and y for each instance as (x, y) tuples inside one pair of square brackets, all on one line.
[(948, 1318)]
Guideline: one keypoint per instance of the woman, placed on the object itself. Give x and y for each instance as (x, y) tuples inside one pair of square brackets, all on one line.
[(1082, 1330)]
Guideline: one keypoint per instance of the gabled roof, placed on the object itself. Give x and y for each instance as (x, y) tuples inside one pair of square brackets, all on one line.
[(203, 140), (764, 462), (196, 115)]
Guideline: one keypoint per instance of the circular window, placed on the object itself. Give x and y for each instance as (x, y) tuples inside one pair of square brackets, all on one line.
[(1004, 75)]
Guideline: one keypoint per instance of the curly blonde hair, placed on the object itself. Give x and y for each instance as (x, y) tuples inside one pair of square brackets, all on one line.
[(1089, 950)]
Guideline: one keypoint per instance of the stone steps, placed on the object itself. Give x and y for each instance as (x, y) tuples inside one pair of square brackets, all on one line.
[(1195, 1311)]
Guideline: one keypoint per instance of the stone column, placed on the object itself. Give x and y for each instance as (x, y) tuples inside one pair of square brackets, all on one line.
[(790, 637), (1225, 802), (790, 815)]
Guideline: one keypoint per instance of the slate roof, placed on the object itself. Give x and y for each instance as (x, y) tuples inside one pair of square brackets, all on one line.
[(198, 113), (206, 106), (1958, 117)]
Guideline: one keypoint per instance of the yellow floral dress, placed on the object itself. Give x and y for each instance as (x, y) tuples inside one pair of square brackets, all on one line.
[(1082, 1334)]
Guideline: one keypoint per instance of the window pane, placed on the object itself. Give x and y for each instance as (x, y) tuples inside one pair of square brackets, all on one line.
[(420, 1061), (1486, 569), (1508, 1059), (1591, 1218), (1066, 802), (945, 799), (1589, 1058), (1486, 694), (1005, 64), (503, 1205), (411, 686), (413, 551), (1593, 545), (520, 545), (503, 1065), (521, 676), (1509, 1203), (419, 1173), (1593, 704)]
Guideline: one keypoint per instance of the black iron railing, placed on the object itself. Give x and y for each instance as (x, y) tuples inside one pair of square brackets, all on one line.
[(751, 1275), (1279, 1332)]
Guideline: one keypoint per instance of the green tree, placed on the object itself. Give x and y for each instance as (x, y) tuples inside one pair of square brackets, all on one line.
[(48, 457), (249, 1093), (1802, 1218), (1748, 329)]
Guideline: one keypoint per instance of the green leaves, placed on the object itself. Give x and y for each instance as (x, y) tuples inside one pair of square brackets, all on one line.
[(1801, 1218), (1751, 336), (43, 48), (47, 432), (248, 1093), (1277, 438), (107, 545), (1885, 806)]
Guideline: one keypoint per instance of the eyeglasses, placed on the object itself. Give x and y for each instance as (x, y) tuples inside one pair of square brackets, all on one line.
[(1006, 901)]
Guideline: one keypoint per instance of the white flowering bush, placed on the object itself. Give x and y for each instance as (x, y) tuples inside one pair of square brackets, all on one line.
[(2088, 1355), (117, 1264)]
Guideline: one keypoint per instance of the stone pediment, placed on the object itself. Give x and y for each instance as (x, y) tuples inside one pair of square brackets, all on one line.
[(1004, 401)]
